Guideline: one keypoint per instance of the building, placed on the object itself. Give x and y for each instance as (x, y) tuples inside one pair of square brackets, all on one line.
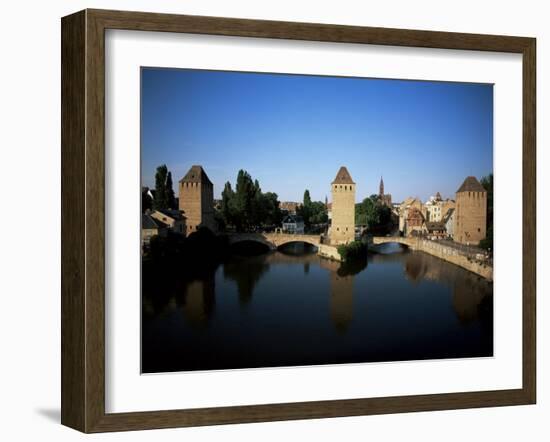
[(385, 198), (415, 222), (151, 227), (293, 224), (174, 219), (436, 230), (342, 229), (471, 212), (433, 208), (406, 206), (436, 208), (449, 220), (196, 199), (290, 207)]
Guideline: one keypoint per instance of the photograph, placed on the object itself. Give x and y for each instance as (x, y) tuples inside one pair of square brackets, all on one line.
[(300, 220)]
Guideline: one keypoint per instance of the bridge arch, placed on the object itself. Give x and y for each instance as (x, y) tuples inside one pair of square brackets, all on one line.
[(404, 241), (275, 240)]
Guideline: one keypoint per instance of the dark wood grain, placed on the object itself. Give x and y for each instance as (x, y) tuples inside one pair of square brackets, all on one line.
[(73, 253), (83, 220), (529, 220)]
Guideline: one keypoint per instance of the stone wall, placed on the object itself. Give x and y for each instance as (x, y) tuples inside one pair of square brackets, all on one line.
[(330, 252), (470, 217), (196, 200), (453, 256), (444, 252), (343, 213)]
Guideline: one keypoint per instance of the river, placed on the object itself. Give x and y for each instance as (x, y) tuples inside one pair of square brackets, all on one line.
[(291, 307)]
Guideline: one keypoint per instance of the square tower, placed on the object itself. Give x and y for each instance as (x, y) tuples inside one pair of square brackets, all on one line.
[(343, 208), (470, 212), (196, 199)]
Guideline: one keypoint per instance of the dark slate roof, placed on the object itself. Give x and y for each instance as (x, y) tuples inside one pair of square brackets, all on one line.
[(148, 222), (432, 225), (196, 175), (343, 177), (448, 215), (293, 219), (174, 214), (471, 184)]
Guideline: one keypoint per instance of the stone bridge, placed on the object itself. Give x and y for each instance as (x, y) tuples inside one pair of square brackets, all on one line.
[(274, 240), (409, 242)]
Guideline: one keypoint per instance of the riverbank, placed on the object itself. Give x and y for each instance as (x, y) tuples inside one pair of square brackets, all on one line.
[(444, 252)]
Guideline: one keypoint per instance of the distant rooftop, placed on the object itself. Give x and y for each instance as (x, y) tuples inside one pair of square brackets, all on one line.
[(471, 184), (343, 177), (148, 222), (196, 175), (174, 214)]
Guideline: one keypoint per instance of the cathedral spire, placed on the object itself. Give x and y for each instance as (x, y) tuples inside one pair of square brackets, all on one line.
[(381, 191)]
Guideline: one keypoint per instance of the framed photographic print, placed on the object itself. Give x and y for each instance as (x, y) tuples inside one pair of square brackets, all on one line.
[(270, 220)]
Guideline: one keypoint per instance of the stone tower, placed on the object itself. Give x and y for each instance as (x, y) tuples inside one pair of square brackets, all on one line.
[(196, 199), (381, 189), (343, 208), (470, 212)]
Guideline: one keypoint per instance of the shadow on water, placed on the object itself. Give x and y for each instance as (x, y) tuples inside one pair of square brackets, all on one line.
[(393, 305)]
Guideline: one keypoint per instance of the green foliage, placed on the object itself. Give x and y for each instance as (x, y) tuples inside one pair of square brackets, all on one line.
[(307, 198), (487, 242), (353, 250), (248, 206), (164, 192), (169, 191), (487, 183), (372, 213), (312, 212)]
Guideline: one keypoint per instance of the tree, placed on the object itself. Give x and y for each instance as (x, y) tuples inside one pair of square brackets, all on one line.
[(164, 190), (248, 206), (487, 183), (169, 189), (372, 213), (227, 209), (307, 198), (312, 212), (160, 201)]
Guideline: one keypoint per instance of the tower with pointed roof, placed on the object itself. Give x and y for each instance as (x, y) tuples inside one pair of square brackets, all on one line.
[(342, 229), (470, 212), (196, 199), (384, 198)]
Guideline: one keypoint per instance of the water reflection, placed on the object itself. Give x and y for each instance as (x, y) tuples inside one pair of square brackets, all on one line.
[(198, 301), (246, 273), (341, 300), (291, 307)]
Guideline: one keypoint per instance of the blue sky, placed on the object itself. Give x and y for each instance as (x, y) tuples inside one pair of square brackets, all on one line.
[(293, 132)]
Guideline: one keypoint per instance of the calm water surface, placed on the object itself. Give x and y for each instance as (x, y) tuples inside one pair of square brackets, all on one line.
[(290, 307)]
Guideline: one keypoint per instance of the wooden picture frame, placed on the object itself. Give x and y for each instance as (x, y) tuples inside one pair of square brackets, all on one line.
[(83, 220)]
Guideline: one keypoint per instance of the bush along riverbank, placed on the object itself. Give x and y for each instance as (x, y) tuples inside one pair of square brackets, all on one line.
[(352, 251)]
